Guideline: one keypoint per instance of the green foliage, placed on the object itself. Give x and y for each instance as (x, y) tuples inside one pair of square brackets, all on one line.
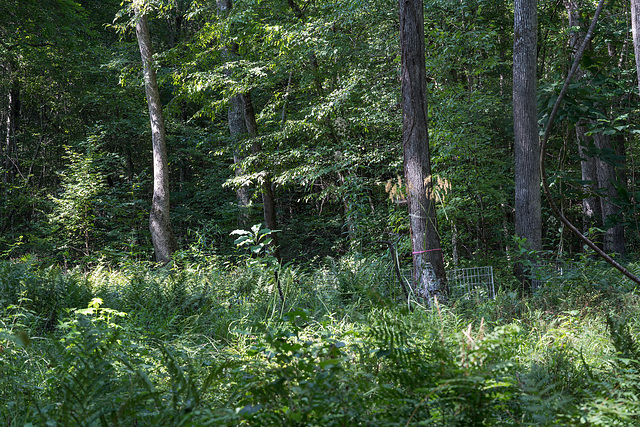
[(207, 346)]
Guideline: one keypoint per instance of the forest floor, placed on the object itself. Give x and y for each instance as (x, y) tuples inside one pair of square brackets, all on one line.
[(211, 343)]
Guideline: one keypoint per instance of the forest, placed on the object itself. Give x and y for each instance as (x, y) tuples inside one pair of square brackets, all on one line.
[(315, 212)]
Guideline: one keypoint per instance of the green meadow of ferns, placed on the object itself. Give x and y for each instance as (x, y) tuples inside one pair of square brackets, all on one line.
[(207, 347)]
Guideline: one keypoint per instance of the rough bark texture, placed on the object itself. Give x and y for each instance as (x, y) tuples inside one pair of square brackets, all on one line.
[(425, 239), (592, 213), (237, 128), (224, 5), (268, 199), (543, 144), (607, 177), (164, 243), (528, 216), (635, 29)]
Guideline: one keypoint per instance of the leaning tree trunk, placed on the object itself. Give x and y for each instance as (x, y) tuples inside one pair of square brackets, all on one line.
[(528, 208), (164, 243), (592, 214), (425, 239)]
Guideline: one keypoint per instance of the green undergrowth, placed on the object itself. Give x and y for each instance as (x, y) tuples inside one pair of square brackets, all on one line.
[(214, 344)]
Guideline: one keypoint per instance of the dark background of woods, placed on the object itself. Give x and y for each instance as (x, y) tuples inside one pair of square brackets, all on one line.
[(323, 81)]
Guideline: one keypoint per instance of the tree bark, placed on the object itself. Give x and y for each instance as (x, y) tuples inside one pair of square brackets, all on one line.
[(425, 240), (12, 124), (635, 29), (164, 242), (268, 199), (237, 128), (607, 177), (591, 209), (543, 145), (528, 208), (592, 213)]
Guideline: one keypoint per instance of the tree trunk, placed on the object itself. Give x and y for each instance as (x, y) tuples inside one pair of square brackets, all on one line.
[(425, 240), (592, 212), (528, 210), (12, 123), (237, 128), (268, 199), (601, 174), (613, 236), (164, 243), (635, 29)]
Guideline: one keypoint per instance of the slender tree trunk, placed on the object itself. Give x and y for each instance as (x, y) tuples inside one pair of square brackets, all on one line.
[(164, 243), (635, 29), (528, 209), (607, 177), (591, 210), (12, 123), (425, 240), (268, 199), (237, 128)]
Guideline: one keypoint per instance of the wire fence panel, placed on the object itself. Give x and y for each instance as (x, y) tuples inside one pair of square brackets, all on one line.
[(550, 272), (472, 281)]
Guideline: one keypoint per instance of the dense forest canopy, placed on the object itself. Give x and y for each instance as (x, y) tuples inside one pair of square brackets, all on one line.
[(323, 82)]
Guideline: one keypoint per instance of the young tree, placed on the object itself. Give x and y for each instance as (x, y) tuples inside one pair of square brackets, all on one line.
[(425, 239), (528, 209), (164, 242)]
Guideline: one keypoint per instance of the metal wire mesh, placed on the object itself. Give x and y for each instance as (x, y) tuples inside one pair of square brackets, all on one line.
[(550, 272), (472, 281)]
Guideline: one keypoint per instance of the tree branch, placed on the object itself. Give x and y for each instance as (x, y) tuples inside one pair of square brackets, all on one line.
[(543, 145)]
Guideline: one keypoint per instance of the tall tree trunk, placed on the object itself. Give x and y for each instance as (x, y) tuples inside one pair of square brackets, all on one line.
[(528, 210), (635, 29), (13, 124), (425, 240), (592, 214), (237, 128), (164, 242), (268, 199)]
